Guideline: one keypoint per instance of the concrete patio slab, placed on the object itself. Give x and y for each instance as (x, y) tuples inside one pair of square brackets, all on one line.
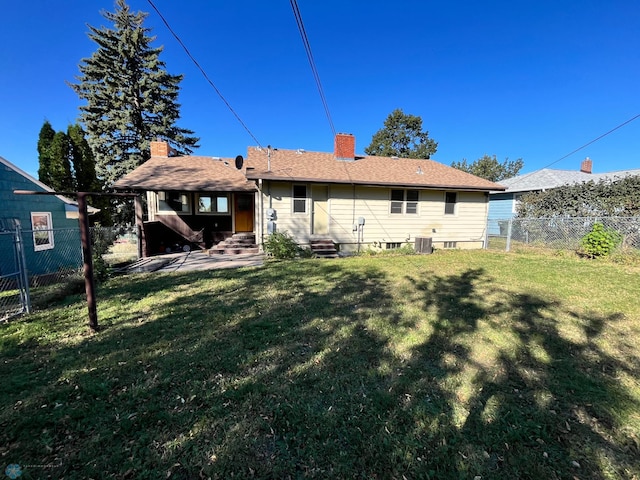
[(193, 261)]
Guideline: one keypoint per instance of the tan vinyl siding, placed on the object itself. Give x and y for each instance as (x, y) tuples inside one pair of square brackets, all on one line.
[(347, 203), (279, 196), (466, 226)]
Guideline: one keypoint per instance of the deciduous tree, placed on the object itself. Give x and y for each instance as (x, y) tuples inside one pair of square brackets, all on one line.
[(620, 197), (402, 136), (490, 168)]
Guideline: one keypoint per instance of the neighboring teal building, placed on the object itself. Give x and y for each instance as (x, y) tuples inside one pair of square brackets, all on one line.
[(49, 223)]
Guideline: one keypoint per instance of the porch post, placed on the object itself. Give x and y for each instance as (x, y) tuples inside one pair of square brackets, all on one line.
[(142, 240)]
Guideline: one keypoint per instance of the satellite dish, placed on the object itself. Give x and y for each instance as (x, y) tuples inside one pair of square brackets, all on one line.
[(239, 162)]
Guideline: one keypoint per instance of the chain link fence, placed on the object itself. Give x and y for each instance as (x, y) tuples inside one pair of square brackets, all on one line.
[(558, 233), (13, 281), (37, 265)]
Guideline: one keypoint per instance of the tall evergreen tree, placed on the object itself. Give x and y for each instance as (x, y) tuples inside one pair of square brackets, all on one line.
[(60, 176), (82, 159), (130, 97), (44, 154), (84, 172)]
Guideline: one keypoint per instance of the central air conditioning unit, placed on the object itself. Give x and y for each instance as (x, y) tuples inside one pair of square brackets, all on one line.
[(424, 245)]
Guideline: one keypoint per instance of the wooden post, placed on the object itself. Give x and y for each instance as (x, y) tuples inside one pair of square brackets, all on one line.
[(85, 238), (142, 240)]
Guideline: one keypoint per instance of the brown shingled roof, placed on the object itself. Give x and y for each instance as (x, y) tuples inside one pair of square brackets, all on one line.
[(303, 166), (190, 174)]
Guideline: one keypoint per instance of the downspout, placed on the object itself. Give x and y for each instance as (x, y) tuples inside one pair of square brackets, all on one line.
[(261, 212), (485, 240)]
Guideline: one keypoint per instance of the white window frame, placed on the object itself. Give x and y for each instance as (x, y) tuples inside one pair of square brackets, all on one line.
[(455, 203), (214, 203), (42, 227), (294, 198), (404, 203), (161, 199), (517, 198)]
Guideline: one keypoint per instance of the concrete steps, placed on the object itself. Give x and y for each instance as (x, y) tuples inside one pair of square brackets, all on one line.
[(237, 244)]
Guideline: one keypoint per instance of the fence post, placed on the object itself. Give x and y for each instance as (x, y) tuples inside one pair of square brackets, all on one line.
[(22, 267), (509, 228)]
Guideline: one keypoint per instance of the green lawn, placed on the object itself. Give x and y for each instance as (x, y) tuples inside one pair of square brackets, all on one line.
[(451, 365)]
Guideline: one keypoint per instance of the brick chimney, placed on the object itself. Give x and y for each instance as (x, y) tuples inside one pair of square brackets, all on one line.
[(160, 149), (586, 165), (345, 146)]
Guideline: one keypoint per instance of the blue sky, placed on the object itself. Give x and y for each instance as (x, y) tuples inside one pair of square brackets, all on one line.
[(518, 79)]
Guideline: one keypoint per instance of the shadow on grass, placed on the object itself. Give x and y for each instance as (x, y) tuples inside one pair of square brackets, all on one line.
[(310, 369)]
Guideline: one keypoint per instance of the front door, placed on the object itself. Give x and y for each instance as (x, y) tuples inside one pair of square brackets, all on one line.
[(320, 209), (243, 212)]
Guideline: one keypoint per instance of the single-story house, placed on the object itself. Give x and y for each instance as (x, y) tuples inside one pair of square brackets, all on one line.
[(503, 205), (49, 223), (354, 200), (191, 201)]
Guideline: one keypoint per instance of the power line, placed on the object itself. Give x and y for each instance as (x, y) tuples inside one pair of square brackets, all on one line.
[(314, 70), (580, 148), (594, 140), (175, 35)]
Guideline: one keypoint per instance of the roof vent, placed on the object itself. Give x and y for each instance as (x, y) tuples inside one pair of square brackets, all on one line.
[(300, 151), (419, 171)]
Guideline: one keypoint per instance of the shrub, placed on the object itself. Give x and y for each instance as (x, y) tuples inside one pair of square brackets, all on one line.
[(101, 241), (403, 250), (281, 245), (42, 297), (600, 241)]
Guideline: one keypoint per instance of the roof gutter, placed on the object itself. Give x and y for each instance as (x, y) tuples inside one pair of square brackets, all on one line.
[(376, 184)]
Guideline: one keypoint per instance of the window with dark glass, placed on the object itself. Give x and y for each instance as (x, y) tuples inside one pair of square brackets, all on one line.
[(412, 201), (173, 202), (397, 199), (450, 199), (404, 201), (299, 199)]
